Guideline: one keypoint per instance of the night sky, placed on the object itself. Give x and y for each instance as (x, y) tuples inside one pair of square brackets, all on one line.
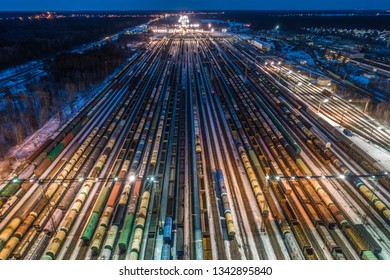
[(61, 5)]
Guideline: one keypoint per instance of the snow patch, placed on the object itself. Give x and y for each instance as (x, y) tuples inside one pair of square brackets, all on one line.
[(376, 152)]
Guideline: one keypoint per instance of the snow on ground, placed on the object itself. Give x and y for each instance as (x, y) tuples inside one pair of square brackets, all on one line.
[(377, 153), (12, 71), (359, 79), (20, 152), (315, 71), (300, 56)]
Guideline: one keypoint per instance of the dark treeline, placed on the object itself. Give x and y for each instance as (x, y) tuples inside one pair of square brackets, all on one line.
[(70, 77), (21, 41), (262, 20)]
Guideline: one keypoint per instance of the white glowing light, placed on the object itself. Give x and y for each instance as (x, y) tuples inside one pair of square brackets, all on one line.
[(184, 21)]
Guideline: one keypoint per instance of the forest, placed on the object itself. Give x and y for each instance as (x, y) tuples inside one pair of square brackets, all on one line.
[(24, 40), (68, 84), (296, 20)]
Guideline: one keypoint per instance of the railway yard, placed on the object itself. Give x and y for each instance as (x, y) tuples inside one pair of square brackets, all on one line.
[(199, 149)]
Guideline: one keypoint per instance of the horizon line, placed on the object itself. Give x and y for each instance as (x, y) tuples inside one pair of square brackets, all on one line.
[(203, 10)]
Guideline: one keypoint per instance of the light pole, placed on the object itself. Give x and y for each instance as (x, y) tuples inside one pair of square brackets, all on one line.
[(319, 105)]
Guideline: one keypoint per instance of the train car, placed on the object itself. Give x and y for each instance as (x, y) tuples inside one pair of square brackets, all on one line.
[(106, 216), (369, 256), (330, 243), (9, 247), (119, 214), (356, 241), (55, 152), (38, 151), (291, 245), (27, 172), (11, 188), (106, 254), (76, 128), (341, 220), (47, 258), (167, 229), (67, 139), (314, 217), (42, 167), (111, 237), (166, 252), (136, 244), (126, 230), (90, 227), (179, 242), (288, 211), (326, 216), (310, 255), (321, 137), (327, 93), (207, 248), (8, 231), (56, 244), (303, 241), (303, 167), (367, 237), (285, 186), (98, 240)]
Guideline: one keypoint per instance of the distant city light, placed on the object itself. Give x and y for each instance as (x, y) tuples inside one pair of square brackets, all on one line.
[(184, 21)]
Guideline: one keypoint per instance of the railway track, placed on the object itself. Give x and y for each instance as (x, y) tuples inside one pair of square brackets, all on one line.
[(173, 160)]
